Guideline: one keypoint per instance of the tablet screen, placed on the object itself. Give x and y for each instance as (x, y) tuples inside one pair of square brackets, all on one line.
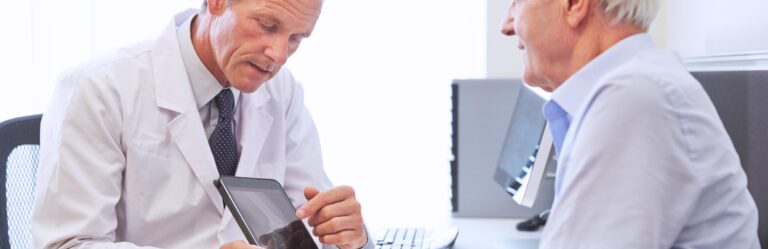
[(269, 214)]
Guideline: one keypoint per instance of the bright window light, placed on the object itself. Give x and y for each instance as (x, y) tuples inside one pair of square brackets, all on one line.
[(377, 77)]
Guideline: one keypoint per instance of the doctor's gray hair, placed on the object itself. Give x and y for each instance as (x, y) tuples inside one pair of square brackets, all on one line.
[(229, 3), (637, 12), (205, 4)]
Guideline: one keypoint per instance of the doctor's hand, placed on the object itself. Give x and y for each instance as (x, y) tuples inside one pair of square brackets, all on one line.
[(239, 244), (335, 217), (294, 235)]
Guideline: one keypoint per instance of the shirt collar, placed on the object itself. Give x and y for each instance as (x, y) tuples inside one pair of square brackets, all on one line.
[(573, 92), (205, 87)]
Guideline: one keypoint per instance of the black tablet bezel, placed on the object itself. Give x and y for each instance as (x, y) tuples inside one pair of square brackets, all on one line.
[(224, 184)]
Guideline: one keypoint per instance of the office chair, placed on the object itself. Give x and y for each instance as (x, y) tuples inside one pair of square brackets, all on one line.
[(19, 154)]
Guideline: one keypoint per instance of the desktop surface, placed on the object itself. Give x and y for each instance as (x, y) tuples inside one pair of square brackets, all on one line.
[(493, 233)]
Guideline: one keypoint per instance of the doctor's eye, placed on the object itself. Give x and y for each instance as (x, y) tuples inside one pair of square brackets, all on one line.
[(267, 26), (295, 39)]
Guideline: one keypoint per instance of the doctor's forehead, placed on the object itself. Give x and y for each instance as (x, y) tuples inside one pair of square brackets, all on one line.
[(303, 13), (306, 7)]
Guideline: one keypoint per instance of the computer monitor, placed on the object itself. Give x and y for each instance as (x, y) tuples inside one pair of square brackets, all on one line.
[(527, 149)]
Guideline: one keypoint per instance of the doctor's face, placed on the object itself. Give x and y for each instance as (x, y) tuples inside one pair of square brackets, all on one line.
[(252, 39), (542, 36)]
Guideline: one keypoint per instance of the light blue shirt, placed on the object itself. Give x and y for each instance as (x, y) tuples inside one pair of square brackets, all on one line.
[(559, 121), (645, 162)]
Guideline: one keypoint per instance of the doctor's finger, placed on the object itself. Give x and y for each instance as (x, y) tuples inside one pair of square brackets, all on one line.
[(343, 208), (310, 192), (323, 199), (342, 238), (338, 225), (239, 244)]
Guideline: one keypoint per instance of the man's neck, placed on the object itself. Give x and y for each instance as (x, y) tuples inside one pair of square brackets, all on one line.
[(595, 41), (200, 32)]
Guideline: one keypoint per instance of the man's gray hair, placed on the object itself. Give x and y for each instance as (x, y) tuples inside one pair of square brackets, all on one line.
[(637, 12), (205, 4), (229, 3)]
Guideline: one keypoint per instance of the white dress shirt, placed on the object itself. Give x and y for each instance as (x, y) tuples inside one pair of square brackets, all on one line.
[(205, 87), (646, 162)]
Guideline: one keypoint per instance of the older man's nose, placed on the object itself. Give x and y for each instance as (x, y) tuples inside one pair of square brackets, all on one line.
[(508, 27)]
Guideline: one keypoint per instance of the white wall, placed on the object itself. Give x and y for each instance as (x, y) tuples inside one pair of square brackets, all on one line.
[(503, 59), (43, 38), (711, 27)]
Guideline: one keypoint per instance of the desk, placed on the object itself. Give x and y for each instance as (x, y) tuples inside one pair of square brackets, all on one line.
[(485, 233), (490, 233), (430, 207)]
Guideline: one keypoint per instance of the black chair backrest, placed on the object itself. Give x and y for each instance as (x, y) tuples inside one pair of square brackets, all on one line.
[(13, 134), (741, 99)]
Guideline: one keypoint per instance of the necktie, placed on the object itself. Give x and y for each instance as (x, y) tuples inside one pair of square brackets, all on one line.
[(558, 123), (222, 141)]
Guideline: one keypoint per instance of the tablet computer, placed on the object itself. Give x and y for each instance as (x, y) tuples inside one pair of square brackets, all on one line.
[(264, 213)]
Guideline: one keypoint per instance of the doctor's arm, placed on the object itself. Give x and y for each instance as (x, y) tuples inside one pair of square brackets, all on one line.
[(81, 167), (333, 212)]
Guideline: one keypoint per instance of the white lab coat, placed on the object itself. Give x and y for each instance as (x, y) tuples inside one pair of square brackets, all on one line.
[(124, 157)]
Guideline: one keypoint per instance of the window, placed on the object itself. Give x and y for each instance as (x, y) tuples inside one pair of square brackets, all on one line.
[(377, 78)]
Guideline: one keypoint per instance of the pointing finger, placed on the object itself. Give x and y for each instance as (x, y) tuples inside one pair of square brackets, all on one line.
[(323, 199), (310, 192)]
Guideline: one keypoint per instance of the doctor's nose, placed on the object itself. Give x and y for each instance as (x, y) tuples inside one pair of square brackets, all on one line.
[(278, 51)]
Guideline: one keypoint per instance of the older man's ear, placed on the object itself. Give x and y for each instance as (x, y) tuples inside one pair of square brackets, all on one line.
[(576, 11)]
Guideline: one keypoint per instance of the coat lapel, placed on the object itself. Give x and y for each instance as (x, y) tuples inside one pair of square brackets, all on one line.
[(174, 94), (254, 128)]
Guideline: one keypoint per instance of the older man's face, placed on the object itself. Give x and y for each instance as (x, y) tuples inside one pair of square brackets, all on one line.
[(540, 29), (253, 39)]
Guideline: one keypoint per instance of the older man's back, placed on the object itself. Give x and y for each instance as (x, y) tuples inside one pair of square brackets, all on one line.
[(647, 162)]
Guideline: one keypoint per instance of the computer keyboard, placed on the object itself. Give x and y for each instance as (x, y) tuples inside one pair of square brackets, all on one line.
[(402, 238), (416, 238)]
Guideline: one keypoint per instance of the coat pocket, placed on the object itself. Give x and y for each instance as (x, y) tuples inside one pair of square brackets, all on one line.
[(148, 161)]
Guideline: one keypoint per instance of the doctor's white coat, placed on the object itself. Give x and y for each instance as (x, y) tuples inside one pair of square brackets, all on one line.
[(125, 161)]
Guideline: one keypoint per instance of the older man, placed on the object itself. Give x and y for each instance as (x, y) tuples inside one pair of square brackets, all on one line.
[(133, 140), (644, 160)]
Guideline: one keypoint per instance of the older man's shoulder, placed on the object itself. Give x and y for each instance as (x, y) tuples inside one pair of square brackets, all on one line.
[(655, 77), (659, 67)]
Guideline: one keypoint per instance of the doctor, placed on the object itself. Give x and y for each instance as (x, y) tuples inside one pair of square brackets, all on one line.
[(133, 140)]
